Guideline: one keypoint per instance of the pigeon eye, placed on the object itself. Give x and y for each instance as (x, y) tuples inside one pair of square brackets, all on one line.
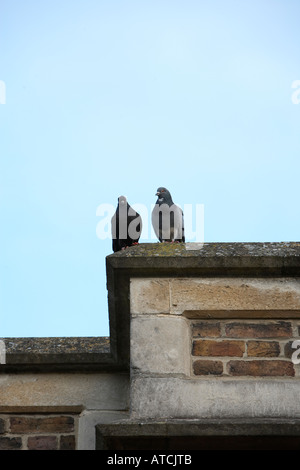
[(162, 190)]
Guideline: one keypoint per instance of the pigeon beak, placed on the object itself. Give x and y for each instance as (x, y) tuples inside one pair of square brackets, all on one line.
[(157, 194)]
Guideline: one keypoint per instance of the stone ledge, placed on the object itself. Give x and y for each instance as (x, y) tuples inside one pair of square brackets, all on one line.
[(202, 427), (208, 434), (57, 345), (216, 259), (211, 249), (214, 397), (46, 354), (208, 251)]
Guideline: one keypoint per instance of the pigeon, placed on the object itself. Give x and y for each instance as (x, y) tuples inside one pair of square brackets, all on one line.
[(126, 226), (167, 218)]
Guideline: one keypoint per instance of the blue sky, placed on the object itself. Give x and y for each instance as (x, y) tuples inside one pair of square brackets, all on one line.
[(105, 98)]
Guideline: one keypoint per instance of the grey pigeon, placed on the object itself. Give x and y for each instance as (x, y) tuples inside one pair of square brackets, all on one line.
[(167, 218), (126, 226)]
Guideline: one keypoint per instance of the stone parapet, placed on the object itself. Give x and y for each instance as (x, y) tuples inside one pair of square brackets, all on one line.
[(202, 341)]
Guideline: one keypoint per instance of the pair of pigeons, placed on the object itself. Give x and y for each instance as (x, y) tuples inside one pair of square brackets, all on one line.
[(167, 221)]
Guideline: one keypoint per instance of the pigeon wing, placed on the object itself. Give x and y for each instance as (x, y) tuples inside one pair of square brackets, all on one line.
[(157, 221), (134, 226), (178, 224)]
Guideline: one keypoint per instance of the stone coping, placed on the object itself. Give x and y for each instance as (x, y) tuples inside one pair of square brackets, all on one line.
[(213, 257), (54, 353), (264, 434), (202, 427), (209, 250), (57, 345)]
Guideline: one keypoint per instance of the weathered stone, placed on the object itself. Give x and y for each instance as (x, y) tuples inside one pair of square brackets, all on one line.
[(160, 344), (168, 260), (213, 397), (263, 282), (149, 296), (241, 253), (231, 294), (94, 391)]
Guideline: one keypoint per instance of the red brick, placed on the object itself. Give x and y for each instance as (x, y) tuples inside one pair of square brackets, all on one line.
[(207, 329), (10, 443), (42, 443), (289, 350), (218, 348), (280, 329), (261, 368), (2, 426), (67, 442), (208, 367), (263, 349), (47, 424)]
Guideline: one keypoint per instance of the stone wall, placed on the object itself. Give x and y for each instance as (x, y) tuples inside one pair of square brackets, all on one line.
[(61, 410), (53, 391), (200, 346)]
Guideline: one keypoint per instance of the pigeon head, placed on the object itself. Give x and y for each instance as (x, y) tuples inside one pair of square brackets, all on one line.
[(122, 200), (164, 196)]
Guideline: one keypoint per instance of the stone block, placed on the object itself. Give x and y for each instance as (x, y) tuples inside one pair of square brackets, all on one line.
[(213, 397), (233, 294), (149, 296), (160, 344), (91, 391)]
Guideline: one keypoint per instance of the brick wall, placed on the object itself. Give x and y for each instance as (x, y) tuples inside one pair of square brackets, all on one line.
[(37, 432), (258, 348)]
